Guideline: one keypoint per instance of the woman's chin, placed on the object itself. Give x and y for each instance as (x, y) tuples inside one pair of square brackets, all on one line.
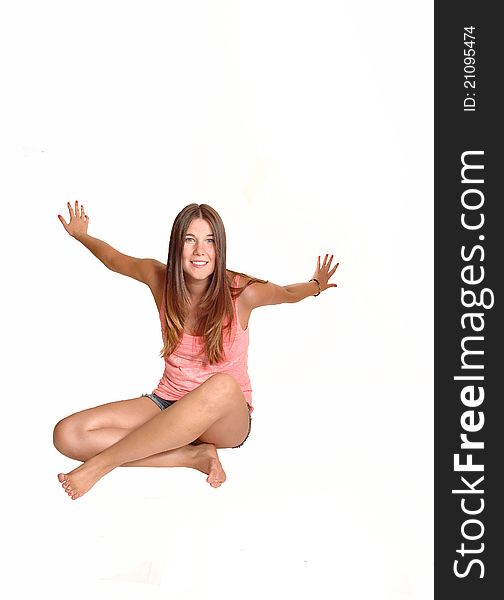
[(198, 274)]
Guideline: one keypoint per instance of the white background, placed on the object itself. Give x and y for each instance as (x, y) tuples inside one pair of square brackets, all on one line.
[(308, 127)]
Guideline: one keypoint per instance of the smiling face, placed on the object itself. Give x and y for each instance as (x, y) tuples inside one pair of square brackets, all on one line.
[(198, 254)]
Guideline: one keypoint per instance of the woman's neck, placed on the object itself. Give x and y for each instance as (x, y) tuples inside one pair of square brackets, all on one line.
[(196, 290)]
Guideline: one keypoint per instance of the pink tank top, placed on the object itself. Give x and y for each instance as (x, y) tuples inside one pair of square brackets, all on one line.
[(185, 370)]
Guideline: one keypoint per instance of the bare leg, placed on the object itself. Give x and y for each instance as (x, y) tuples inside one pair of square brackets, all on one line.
[(88, 432), (215, 413), (202, 457)]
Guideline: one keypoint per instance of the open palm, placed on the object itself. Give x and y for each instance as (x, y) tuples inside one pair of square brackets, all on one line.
[(78, 220), (324, 272)]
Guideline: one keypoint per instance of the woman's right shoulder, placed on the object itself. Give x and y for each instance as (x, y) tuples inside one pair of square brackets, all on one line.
[(155, 273), (157, 281)]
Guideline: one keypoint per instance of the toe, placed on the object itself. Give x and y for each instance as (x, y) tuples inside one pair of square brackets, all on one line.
[(61, 477)]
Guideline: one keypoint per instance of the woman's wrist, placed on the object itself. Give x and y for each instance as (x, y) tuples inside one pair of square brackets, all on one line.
[(79, 237), (317, 283)]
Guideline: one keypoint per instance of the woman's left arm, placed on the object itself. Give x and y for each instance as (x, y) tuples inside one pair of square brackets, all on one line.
[(269, 293)]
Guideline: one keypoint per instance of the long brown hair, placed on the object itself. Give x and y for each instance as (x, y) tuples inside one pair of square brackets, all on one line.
[(215, 310)]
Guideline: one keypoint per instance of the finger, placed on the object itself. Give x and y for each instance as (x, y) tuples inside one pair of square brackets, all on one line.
[(318, 263), (62, 221), (76, 208), (330, 261), (325, 259), (70, 210), (333, 270), (82, 214)]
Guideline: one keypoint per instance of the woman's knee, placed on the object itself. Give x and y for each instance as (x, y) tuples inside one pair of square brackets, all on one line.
[(226, 392), (225, 384), (64, 435)]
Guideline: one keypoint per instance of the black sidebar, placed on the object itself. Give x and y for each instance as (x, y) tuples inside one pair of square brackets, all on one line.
[(468, 272)]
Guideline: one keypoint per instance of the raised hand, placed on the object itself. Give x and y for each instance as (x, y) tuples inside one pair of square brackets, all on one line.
[(78, 220), (323, 274)]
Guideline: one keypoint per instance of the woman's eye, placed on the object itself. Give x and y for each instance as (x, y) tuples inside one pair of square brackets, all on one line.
[(190, 239)]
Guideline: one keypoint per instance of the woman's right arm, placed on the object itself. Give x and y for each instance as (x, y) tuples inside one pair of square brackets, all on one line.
[(146, 270)]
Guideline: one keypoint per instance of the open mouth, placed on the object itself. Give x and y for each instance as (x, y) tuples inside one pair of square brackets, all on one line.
[(199, 263)]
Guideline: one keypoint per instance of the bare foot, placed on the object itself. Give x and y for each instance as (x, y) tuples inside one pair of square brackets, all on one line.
[(207, 461), (202, 457), (80, 480)]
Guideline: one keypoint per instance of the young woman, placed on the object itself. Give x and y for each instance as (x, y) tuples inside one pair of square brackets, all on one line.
[(204, 310)]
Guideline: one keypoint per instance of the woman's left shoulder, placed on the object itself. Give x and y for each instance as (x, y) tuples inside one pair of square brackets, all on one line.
[(237, 279), (239, 282)]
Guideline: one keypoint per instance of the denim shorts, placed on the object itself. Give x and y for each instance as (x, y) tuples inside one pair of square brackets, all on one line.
[(163, 404)]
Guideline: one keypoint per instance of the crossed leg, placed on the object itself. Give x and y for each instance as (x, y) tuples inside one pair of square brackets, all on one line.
[(88, 432), (214, 413)]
